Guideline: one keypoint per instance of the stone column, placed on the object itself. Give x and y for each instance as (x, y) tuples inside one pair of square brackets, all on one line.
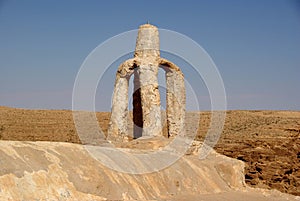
[(147, 55), (150, 99), (176, 99), (118, 125)]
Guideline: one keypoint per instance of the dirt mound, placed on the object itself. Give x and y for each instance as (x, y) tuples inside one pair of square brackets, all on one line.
[(268, 141)]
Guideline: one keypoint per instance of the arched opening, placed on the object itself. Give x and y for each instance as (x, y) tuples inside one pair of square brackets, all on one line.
[(137, 106), (163, 100), (146, 101)]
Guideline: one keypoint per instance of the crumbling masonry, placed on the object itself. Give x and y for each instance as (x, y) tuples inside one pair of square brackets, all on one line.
[(146, 99)]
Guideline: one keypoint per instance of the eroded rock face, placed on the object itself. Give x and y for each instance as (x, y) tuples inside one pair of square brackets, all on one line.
[(63, 171), (146, 97), (36, 171)]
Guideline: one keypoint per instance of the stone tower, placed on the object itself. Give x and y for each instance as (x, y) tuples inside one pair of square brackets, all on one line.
[(146, 99)]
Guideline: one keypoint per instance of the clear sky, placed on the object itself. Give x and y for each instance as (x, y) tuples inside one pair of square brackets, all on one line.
[(255, 45)]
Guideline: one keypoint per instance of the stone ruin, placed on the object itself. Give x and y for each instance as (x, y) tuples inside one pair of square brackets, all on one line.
[(146, 98)]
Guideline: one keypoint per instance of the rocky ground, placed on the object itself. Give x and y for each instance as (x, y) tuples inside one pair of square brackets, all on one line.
[(68, 172), (268, 141)]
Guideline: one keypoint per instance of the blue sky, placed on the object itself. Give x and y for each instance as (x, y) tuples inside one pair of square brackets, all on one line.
[(255, 45)]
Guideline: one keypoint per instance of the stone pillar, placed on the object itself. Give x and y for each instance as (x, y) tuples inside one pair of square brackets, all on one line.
[(147, 55), (150, 99), (147, 42), (118, 125), (176, 99)]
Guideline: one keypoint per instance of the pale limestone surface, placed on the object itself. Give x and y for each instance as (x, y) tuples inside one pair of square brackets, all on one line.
[(146, 98), (118, 121), (62, 171), (176, 99)]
